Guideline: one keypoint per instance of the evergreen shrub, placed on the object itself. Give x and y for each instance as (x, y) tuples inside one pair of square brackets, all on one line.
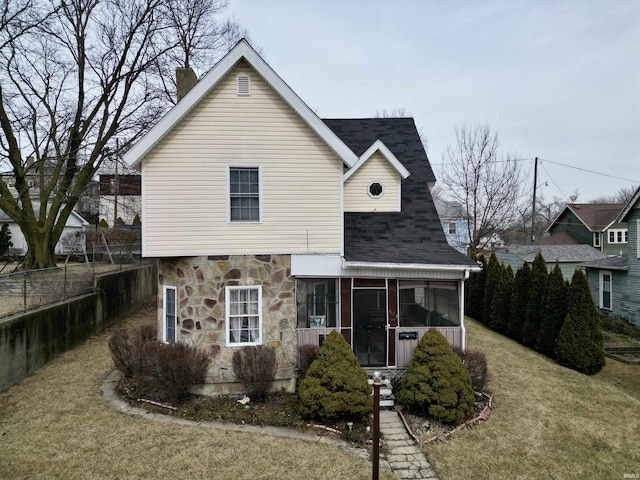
[(535, 304), (5, 240), (580, 344), (491, 283), (335, 386), (501, 303), (436, 383), (519, 300), (554, 312), (474, 291), (255, 367)]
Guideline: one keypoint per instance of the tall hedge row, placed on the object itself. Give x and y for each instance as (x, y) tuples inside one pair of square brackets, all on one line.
[(542, 311)]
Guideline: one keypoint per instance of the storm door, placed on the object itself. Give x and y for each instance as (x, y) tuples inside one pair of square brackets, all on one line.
[(370, 326)]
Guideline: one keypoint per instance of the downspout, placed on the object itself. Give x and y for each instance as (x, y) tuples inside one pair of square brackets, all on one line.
[(464, 330)]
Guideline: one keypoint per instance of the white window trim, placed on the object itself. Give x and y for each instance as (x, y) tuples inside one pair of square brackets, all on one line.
[(638, 239), (165, 288), (234, 222), (596, 240), (601, 290), (228, 291), (624, 235)]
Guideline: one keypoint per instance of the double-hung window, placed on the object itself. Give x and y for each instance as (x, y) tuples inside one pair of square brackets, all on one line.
[(169, 317), (605, 290), (244, 194), (244, 315)]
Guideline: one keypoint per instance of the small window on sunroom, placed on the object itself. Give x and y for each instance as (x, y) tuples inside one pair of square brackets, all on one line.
[(376, 189)]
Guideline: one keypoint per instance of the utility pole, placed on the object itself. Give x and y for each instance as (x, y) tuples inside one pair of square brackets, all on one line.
[(533, 207)]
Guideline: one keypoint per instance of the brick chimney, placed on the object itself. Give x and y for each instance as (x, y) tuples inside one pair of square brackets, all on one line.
[(185, 80)]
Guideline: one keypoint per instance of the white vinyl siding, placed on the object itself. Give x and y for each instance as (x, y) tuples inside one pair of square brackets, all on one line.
[(185, 179), (356, 189), (169, 316)]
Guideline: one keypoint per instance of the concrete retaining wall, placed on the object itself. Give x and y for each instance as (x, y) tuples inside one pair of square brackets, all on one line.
[(31, 339)]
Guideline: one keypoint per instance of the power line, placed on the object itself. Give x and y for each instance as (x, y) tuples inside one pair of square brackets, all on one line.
[(590, 171)]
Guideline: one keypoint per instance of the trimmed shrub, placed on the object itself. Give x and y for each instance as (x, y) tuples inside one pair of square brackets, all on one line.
[(159, 371), (519, 300), (136, 220), (554, 312), (335, 386), (580, 345), (537, 289), (501, 304), (474, 291), (127, 347), (103, 223), (491, 282), (255, 368), (172, 369), (476, 364), (436, 383)]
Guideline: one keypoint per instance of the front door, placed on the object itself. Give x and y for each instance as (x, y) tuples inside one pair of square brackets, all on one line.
[(370, 326)]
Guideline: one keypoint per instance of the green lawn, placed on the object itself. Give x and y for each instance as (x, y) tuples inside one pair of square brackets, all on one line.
[(549, 422)]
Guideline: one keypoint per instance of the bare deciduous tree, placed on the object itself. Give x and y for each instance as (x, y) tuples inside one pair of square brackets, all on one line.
[(621, 196), (76, 75), (487, 185)]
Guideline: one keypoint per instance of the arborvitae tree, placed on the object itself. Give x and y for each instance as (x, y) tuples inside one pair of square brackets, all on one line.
[(554, 312), (335, 386), (537, 289), (493, 273), (580, 344), (437, 383), (474, 291), (501, 304), (519, 300), (136, 220), (5, 240)]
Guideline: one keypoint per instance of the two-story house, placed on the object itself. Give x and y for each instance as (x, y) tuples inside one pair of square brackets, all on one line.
[(590, 224), (273, 227), (615, 280), (455, 223)]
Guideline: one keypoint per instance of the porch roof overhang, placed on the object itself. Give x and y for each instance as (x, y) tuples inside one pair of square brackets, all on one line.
[(311, 265)]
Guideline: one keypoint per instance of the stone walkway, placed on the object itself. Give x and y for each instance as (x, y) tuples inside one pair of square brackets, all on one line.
[(402, 454)]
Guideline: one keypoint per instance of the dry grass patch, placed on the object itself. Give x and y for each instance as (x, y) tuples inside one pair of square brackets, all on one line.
[(54, 424), (549, 422)]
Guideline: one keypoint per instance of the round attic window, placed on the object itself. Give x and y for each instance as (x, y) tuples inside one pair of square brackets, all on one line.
[(376, 189)]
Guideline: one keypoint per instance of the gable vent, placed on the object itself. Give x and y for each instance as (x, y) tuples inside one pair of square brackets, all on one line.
[(244, 85)]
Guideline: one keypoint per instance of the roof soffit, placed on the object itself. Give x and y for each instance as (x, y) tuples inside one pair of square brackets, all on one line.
[(139, 151)]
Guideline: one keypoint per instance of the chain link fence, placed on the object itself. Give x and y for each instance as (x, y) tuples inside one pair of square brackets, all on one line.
[(25, 290)]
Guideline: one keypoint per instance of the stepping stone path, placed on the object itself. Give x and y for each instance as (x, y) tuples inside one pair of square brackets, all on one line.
[(402, 454)]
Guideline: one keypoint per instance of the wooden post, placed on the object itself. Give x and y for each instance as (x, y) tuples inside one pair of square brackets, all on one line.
[(376, 425)]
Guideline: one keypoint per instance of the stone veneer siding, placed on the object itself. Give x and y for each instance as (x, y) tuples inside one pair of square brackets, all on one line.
[(201, 282)]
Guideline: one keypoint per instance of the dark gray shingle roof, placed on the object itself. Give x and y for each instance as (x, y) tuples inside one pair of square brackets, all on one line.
[(620, 262), (413, 235)]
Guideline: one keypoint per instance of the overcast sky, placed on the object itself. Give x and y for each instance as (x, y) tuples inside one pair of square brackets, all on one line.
[(559, 80)]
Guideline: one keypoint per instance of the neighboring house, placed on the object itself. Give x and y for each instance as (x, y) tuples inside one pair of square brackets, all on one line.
[(615, 281), (490, 244), (455, 223), (75, 227), (592, 224), (569, 257), (274, 227), (120, 197)]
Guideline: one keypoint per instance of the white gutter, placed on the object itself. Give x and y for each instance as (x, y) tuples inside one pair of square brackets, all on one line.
[(410, 266)]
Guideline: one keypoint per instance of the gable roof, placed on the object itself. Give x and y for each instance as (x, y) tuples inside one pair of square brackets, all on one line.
[(378, 145), (450, 210), (75, 219), (597, 217), (414, 235), (242, 50), (627, 208)]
